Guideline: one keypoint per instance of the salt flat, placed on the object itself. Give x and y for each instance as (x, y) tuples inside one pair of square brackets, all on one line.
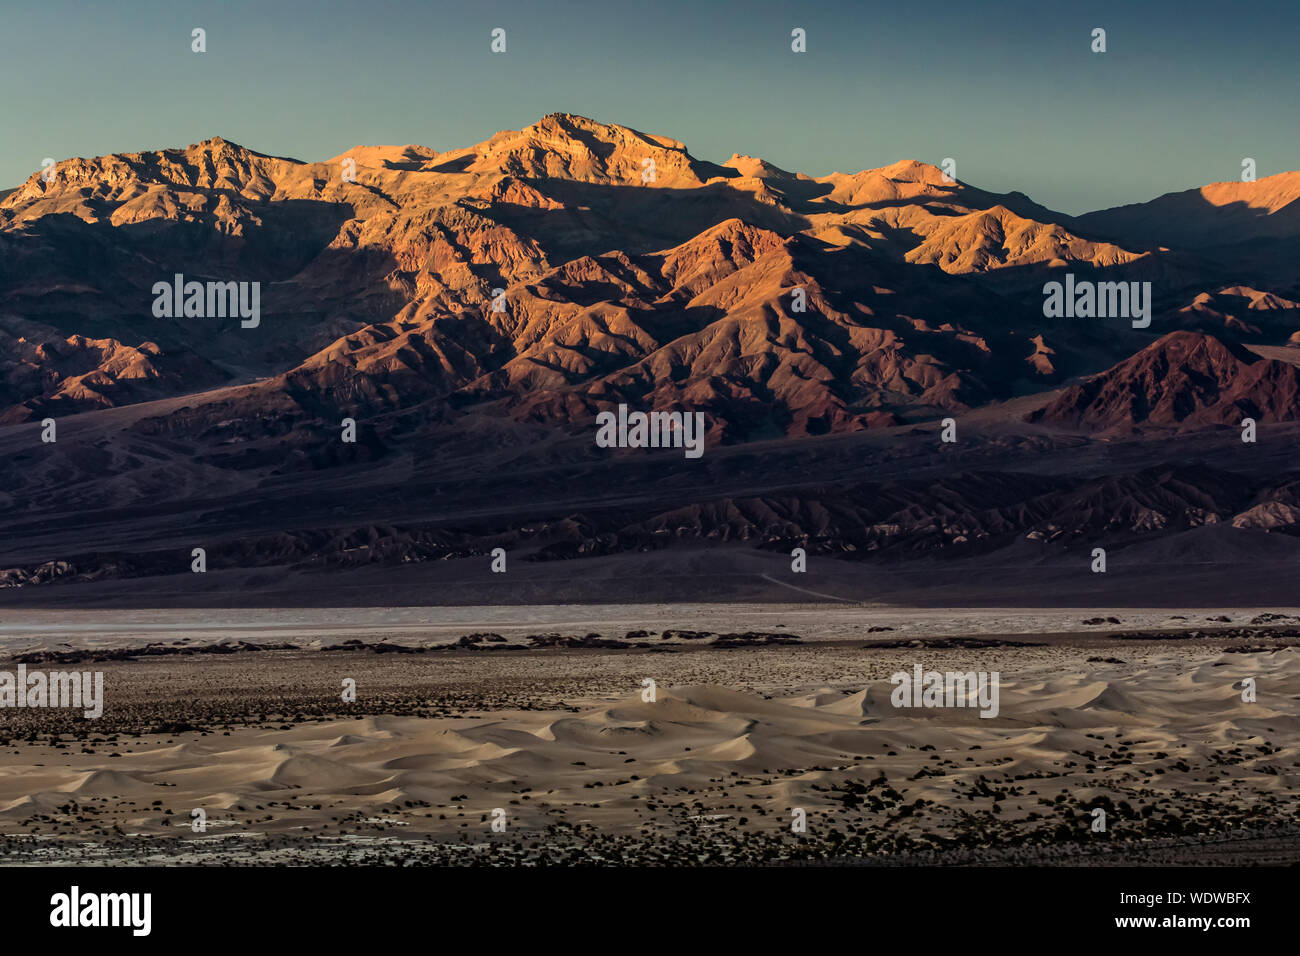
[(30, 627)]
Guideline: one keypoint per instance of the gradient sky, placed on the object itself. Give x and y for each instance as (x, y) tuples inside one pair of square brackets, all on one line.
[(1009, 89)]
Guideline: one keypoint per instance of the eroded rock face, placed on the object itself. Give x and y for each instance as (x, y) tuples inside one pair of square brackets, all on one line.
[(52, 376), (1183, 379)]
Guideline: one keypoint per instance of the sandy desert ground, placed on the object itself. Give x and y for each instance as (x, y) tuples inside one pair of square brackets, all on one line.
[(759, 711)]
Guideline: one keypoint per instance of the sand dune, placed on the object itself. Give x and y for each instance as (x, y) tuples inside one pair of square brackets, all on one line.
[(1171, 736)]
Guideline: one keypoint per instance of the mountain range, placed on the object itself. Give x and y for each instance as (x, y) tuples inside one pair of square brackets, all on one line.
[(472, 311)]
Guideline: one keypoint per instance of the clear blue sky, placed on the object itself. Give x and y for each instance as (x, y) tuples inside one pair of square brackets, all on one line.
[(1009, 89)]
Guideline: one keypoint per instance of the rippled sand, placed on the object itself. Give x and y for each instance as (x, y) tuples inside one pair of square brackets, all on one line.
[(1155, 732)]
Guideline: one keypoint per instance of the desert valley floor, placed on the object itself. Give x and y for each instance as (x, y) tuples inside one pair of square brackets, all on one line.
[(759, 710)]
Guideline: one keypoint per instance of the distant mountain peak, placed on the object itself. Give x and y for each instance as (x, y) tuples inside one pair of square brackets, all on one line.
[(1217, 214)]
